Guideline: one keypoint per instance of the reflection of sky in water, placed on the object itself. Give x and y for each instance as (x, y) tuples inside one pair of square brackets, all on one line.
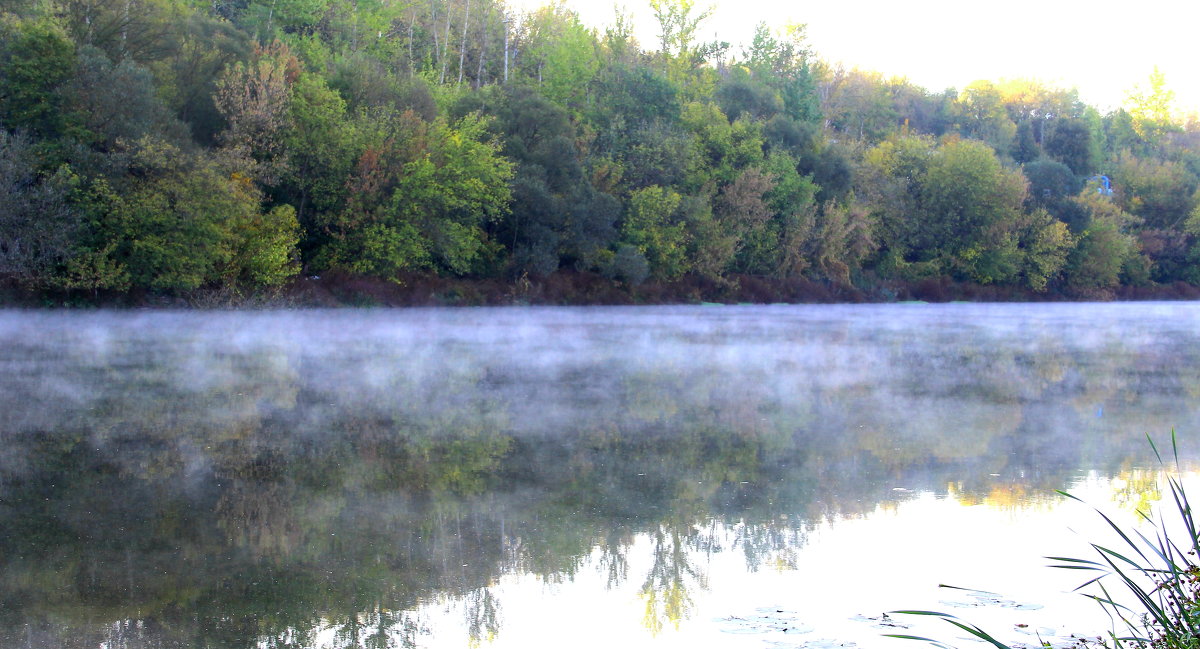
[(835, 590), (591, 477)]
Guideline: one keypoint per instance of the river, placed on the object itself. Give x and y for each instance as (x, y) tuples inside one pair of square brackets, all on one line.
[(737, 476)]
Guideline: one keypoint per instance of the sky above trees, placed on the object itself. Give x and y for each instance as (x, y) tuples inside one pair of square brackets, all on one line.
[(1104, 48)]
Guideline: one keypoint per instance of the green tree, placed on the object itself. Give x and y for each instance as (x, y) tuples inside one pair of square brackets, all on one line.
[(982, 116), (842, 238), (1070, 142), (651, 227), (921, 111), (970, 208), (724, 150), (1121, 135), (782, 62), (858, 104), (660, 154), (419, 198), (793, 199), (37, 60), (39, 227), (183, 221), (745, 96), (1045, 243), (265, 247), (1053, 186), (1151, 108), (569, 62), (1025, 147), (1161, 193), (322, 145), (118, 102), (682, 56), (557, 215), (187, 77), (678, 22), (1103, 249), (267, 19), (632, 96), (888, 182)]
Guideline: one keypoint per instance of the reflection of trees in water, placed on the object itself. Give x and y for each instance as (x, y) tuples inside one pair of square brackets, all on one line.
[(265, 496), (373, 629), (771, 544), (257, 513), (1136, 490), (672, 575), (483, 615), (613, 560)]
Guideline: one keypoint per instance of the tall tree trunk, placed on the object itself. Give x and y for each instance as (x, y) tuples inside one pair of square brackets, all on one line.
[(462, 50), (483, 34), (437, 51), (445, 47), (412, 22), (125, 31), (270, 17)]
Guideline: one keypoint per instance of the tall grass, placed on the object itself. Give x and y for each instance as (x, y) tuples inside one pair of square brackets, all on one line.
[(1158, 574)]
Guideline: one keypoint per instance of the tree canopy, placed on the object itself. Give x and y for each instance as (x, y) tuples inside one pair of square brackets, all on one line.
[(174, 146)]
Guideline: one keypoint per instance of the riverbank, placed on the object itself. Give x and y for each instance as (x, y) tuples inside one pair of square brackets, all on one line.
[(571, 288)]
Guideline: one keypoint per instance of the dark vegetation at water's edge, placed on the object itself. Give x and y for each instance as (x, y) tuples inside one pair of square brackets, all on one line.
[(168, 150), (568, 288)]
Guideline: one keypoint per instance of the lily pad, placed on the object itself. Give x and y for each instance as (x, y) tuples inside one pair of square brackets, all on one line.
[(882, 621), (765, 620)]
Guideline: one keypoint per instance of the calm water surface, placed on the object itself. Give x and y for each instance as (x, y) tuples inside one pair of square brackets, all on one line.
[(650, 477)]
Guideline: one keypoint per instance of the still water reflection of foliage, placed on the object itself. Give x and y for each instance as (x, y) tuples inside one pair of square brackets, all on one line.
[(183, 483)]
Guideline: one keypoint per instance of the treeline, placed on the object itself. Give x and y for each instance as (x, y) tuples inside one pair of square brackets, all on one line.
[(176, 145)]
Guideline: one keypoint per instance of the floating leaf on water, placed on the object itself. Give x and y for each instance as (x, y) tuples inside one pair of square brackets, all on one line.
[(976, 599), (883, 621), (825, 643), (765, 620)]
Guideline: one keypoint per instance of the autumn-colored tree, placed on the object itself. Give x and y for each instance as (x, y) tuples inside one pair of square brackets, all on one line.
[(842, 238), (254, 99), (745, 217)]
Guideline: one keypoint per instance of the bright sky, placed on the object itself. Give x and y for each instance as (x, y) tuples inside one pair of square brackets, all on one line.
[(1104, 48)]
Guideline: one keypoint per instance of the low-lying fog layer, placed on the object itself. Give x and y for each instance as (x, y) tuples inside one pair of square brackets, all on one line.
[(549, 371), (247, 477)]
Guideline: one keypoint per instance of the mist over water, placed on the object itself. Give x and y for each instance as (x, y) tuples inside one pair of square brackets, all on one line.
[(419, 477)]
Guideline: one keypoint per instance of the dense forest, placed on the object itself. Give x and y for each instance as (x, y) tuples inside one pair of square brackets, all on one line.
[(169, 147)]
